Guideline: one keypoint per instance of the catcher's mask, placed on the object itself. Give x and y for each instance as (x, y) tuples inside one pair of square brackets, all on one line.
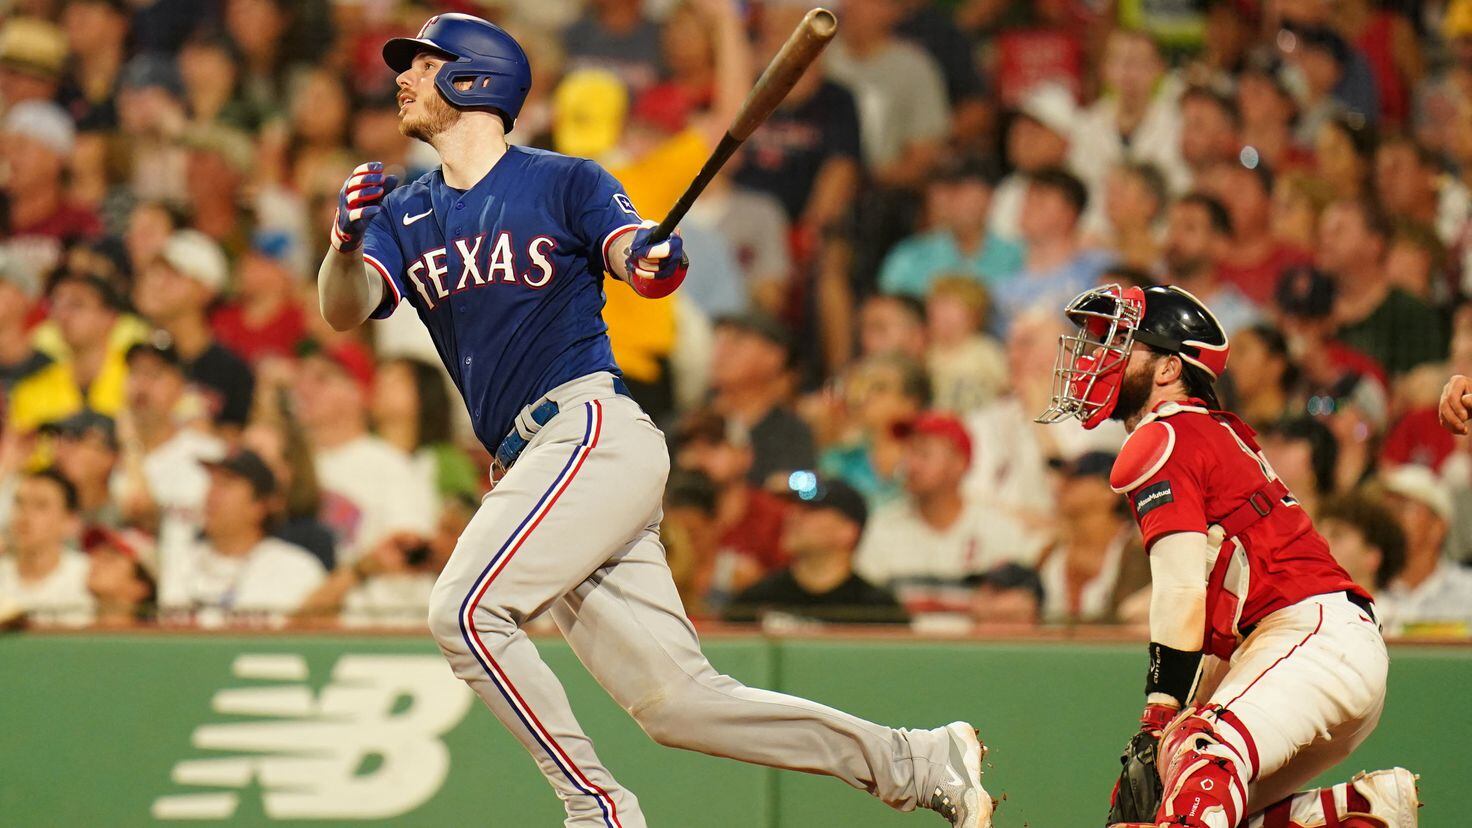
[(1111, 319)]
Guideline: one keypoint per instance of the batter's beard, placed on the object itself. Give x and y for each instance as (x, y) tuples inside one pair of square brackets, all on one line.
[(1134, 392), (438, 116)]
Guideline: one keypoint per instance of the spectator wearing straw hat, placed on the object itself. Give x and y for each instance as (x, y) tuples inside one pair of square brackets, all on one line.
[(33, 53)]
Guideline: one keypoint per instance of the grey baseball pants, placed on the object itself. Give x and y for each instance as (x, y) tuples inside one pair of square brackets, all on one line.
[(574, 527)]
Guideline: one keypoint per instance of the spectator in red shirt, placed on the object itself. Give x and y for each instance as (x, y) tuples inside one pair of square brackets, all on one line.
[(37, 140), (265, 318), (1255, 259), (748, 519)]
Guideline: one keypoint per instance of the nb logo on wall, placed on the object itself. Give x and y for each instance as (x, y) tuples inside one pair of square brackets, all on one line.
[(366, 746)]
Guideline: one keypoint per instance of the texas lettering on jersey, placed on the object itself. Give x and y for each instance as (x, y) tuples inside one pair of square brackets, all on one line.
[(482, 264), (507, 276)]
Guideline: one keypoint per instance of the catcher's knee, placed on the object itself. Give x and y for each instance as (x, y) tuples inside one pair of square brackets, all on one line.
[(1205, 781)]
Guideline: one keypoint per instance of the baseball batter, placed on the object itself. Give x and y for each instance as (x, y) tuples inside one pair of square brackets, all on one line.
[(502, 253), (1266, 663)]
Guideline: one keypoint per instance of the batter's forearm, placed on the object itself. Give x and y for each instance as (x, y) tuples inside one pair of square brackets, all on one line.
[(618, 254), (347, 290)]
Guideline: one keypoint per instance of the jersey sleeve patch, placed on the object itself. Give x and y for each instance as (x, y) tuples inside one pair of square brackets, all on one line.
[(1152, 497), (1143, 454)]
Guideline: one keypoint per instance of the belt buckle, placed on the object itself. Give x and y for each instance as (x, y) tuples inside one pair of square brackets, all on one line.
[(1260, 503)]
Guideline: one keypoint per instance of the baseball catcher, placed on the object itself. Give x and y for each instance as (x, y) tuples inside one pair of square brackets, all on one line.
[(1266, 663)]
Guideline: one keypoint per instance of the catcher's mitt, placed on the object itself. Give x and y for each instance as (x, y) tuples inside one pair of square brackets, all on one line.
[(1137, 793)]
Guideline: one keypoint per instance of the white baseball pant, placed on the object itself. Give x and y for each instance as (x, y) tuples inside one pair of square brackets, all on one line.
[(1299, 695)]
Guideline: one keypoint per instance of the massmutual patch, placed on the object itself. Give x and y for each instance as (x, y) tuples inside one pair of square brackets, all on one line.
[(1152, 497)]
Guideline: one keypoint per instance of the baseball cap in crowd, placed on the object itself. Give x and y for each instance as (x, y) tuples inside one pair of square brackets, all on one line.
[(808, 489), (1088, 464), (936, 424), (18, 273), (589, 108), (1420, 484), (248, 466), (43, 122), (33, 46), (760, 324), (1010, 576), (148, 71), (355, 362), (1306, 291), (197, 256), (1053, 106), (83, 423), (160, 346)]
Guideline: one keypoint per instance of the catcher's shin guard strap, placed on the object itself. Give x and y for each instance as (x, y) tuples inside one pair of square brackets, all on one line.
[(1173, 672)]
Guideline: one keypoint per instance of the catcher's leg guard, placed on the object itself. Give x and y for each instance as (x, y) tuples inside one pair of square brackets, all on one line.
[(1205, 779)]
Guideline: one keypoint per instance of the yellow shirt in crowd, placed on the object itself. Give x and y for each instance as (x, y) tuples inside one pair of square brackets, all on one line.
[(642, 331), (53, 392)]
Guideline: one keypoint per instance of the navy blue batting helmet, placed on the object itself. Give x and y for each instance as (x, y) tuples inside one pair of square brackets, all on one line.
[(480, 52)]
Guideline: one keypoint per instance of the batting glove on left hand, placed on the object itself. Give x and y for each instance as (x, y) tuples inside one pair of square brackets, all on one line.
[(360, 199)]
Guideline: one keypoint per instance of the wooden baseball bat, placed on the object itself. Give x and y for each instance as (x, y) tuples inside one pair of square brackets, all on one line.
[(797, 54)]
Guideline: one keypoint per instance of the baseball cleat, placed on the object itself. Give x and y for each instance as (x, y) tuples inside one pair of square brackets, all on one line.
[(959, 797), (1392, 795)]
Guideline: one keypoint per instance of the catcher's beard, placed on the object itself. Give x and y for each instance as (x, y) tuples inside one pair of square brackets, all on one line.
[(437, 117), (1134, 390)]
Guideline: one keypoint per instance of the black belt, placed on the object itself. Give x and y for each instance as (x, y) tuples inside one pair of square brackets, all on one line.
[(1360, 601)]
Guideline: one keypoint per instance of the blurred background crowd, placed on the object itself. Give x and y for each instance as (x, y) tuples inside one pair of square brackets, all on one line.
[(849, 376)]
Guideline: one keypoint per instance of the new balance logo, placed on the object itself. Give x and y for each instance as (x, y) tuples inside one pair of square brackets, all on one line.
[(365, 746)]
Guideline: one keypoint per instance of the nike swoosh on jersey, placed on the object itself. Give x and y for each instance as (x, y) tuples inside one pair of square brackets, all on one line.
[(408, 220)]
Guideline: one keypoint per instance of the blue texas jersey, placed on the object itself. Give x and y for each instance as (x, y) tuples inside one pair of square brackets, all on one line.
[(507, 276)]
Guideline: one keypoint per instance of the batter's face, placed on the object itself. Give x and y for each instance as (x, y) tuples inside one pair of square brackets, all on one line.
[(423, 112)]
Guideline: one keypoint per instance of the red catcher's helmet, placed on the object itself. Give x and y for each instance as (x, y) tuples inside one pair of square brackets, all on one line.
[(1110, 319)]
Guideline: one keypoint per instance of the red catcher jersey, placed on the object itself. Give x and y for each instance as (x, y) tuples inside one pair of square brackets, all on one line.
[(1185, 468)]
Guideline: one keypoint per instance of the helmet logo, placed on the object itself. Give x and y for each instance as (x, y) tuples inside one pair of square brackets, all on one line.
[(427, 24)]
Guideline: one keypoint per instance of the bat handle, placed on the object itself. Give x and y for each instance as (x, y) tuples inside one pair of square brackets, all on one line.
[(723, 152)]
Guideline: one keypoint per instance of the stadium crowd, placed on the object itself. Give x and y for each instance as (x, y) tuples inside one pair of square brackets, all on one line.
[(849, 376)]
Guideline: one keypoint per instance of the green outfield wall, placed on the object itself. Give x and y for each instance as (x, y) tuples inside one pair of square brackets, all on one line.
[(140, 729)]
